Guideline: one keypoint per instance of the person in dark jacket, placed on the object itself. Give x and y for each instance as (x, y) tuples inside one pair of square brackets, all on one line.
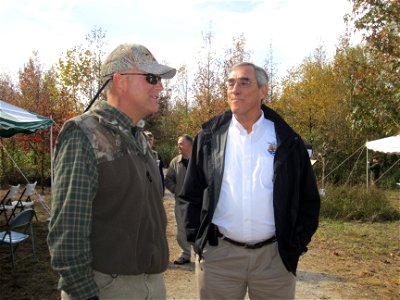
[(250, 198), (156, 156), (375, 169), (174, 181)]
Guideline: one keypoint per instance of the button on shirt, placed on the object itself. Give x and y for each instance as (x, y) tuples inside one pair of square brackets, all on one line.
[(245, 207)]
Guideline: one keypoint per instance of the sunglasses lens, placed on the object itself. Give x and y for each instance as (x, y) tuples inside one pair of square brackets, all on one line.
[(152, 79)]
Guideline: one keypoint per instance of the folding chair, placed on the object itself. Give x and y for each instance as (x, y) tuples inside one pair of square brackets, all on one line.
[(19, 230), (6, 202), (25, 200)]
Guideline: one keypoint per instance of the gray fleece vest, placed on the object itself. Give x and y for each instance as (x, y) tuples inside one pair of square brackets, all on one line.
[(129, 221)]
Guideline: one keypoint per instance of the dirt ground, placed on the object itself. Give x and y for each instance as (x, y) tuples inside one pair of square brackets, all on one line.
[(325, 271)]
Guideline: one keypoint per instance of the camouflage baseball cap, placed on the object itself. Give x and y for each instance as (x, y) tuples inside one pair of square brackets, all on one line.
[(127, 56)]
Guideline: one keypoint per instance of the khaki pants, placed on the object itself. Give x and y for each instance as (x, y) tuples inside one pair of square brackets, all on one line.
[(228, 272), (181, 233), (143, 286)]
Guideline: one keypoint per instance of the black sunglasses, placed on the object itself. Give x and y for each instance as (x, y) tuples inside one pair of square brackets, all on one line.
[(150, 78)]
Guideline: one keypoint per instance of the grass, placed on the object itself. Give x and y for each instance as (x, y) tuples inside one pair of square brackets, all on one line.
[(365, 254), (360, 204), (29, 280)]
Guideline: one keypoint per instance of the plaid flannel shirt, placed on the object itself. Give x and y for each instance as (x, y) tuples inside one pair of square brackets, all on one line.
[(75, 187)]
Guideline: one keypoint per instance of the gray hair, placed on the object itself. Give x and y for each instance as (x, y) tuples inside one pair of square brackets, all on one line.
[(261, 74)]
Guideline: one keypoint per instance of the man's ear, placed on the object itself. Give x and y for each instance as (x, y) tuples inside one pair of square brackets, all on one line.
[(264, 91), (119, 81)]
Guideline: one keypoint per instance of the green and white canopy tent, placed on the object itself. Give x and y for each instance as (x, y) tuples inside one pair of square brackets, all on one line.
[(15, 120)]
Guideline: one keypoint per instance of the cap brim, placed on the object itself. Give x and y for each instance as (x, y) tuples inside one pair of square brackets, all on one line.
[(158, 69)]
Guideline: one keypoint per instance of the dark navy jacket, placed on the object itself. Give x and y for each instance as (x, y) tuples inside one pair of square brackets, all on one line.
[(296, 198)]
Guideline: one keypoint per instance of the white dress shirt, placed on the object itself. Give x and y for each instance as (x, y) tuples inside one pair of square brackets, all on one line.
[(244, 212)]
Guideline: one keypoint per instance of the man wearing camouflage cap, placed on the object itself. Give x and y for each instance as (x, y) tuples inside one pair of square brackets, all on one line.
[(107, 234)]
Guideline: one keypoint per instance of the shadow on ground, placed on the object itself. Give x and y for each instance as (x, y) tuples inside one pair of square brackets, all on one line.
[(314, 277)]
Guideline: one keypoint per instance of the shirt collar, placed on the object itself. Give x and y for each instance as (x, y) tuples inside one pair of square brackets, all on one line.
[(181, 157), (141, 124), (255, 126)]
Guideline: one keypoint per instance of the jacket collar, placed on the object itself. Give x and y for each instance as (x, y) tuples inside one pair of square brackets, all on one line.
[(112, 117), (109, 116), (221, 123)]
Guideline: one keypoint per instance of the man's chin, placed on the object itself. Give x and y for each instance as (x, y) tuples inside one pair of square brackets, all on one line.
[(234, 106), (153, 109)]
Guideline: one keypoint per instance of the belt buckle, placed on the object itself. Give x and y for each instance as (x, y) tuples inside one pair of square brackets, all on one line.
[(251, 246), (248, 246)]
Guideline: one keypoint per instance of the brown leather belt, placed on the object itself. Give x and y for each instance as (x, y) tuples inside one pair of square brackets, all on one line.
[(245, 245)]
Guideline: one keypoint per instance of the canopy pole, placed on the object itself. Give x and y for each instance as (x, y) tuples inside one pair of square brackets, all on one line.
[(367, 167), (15, 164), (388, 170), (51, 157), (359, 149)]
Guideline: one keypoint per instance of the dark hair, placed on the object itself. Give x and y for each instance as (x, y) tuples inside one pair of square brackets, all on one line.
[(187, 137)]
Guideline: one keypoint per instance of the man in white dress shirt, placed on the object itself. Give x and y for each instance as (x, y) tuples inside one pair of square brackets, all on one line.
[(250, 198)]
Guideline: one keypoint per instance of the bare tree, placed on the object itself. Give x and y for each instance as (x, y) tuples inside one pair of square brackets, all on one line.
[(182, 87), (272, 71), (96, 42)]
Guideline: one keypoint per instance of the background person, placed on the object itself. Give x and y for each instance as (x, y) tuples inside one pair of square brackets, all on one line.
[(107, 235), (156, 156), (174, 182), (250, 197), (375, 168)]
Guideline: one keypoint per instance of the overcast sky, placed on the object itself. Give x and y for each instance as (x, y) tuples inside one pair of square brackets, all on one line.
[(171, 29)]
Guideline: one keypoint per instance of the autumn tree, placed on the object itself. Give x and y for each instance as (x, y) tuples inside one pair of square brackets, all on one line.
[(75, 78), (304, 95), (78, 71), (313, 102), (36, 87), (234, 55), (180, 111), (369, 96), (7, 88), (8, 94), (378, 20), (206, 84), (375, 80), (155, 122)]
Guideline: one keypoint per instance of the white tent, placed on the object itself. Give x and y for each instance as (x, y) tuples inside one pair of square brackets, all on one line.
[(389, 145), (386, 145)]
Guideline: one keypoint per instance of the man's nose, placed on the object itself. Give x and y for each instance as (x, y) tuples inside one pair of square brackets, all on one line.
[(236, 88), (159, 85)]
